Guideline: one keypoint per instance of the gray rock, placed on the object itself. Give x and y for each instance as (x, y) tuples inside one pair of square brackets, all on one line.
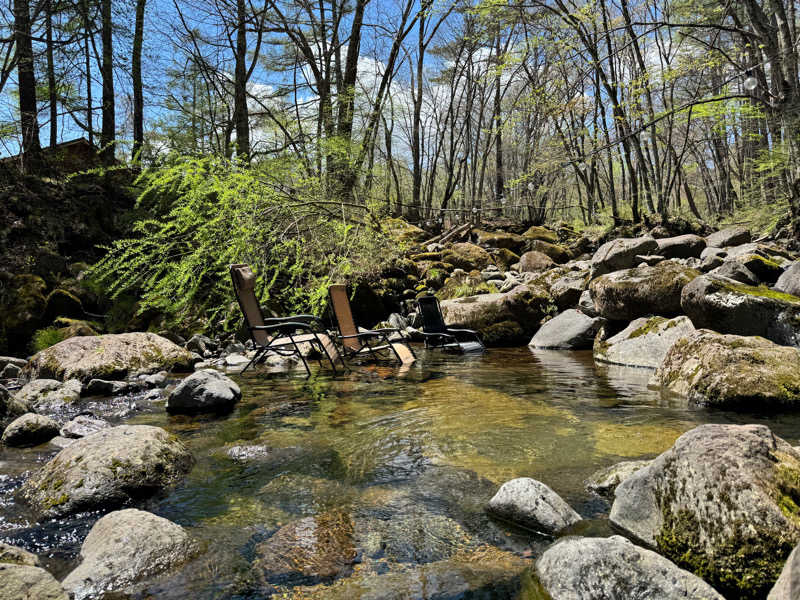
[(567, 290), (203, 391), (11, 371), (234, 348), (200, 344), (710, 502), (111, 356), (620, 254), (586, 304), (24, 582), (99, 387), (17, 556), (534, 261), (735, 270), (47, 394), (10, 360), (761, 265), (711, 252), (789, 281), (570, 330), (156, 380), (30, 430), (578, 568), (731, 307), (648, 260), (632, 293), (731, 371), (61, 442), (643, 343), (107, 469), (733, 236), (236, 360), (83, 425), (681, 246), (788, 585), (530, 503), (605, 481), (11, 407), (397, 321), (126, 547)]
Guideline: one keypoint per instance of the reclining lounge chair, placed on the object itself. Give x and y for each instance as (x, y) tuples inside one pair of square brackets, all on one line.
[(356, 343), (278, 335), (439, 335)]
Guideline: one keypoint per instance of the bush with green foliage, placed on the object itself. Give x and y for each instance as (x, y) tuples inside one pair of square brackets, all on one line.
[(202, 214), (44, 338)]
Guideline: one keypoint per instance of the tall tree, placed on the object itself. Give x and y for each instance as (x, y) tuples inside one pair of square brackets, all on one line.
[(29, 120), (136, 72), (108, 127)]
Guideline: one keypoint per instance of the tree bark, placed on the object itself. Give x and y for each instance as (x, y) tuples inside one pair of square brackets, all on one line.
[(136, 71), (240, 116), (31, 149), (108, 128)]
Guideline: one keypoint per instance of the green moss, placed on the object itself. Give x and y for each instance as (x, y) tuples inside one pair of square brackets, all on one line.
[(55, 501), (760, 291), (44, 338), (649, 327)]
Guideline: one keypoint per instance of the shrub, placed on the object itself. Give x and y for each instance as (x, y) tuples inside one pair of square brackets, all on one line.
[(44, 338)]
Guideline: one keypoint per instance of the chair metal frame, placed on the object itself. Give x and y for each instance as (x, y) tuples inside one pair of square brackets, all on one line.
[(440, 335), (364, 336), (285, 343)]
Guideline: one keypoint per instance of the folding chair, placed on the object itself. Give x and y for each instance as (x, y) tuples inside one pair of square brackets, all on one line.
[(438, 334), (358, 343), (279, 334)]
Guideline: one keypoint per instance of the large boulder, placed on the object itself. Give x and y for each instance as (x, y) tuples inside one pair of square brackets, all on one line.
[(22, 302), (533, 262), (25, 582), (125, 547), (731, 269), (48, 394), (501, 239), (308, 551), (530, 503), (30, 430), (108, 469), (559, 254), (722, 502), (81, 426), (10, 408), (632, 293), (605, 481), (204, 391), (111, 356), (621, 254), (789, 281), (537, 232), (761, 265), (570, 330), (788, 585), (578, 568), (733, 236), (643, 343), (681, 246), (730, 371), (508, 318), (728, 306), (566, 291), (17, 556), (467, 256)]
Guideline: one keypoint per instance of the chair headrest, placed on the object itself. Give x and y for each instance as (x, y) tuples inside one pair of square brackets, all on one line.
[(244, 277)]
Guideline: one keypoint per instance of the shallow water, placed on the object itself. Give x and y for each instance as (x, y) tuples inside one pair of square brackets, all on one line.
[(399, 451)]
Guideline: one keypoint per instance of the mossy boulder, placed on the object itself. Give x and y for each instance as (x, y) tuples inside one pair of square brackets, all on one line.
[(111, 356), (10, 408), (732, 371), (48, 394), (501, 239), (25, 582), (22, 306), (558, 253), (462, 284), (504, 258), (503, 319), (30, 430), (643, 343), (621, 253), (537, 232), (403, 231), (728, 306), (721, 503), (581, 568), (61, 303), (108, 469), (789, 281), (632, 293), (788, 585), (567, 290), (534, 262), (766, 269), (467, 256)]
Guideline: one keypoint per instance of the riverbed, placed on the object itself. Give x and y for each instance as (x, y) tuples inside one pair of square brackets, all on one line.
[(412, 455)]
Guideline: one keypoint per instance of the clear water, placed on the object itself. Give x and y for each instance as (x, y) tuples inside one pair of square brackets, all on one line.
[(389, 446)]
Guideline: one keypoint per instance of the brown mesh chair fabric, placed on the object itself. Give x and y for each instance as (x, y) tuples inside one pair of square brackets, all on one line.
[(355, 342), (277, 334)]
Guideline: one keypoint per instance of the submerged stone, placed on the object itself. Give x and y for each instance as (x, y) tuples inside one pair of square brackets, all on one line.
[(643, 343), (532, 504)]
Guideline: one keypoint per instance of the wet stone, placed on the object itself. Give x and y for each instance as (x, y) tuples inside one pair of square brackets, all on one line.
[(83, 425)]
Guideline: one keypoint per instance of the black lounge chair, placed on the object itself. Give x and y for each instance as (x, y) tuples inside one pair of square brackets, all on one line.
[(279, 335), (355, 343), (439, 335)]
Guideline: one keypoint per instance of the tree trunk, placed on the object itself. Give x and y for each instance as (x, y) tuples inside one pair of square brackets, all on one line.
[(136, 71), (240, 114), (108, 128), (31, 149), (51, 74)]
